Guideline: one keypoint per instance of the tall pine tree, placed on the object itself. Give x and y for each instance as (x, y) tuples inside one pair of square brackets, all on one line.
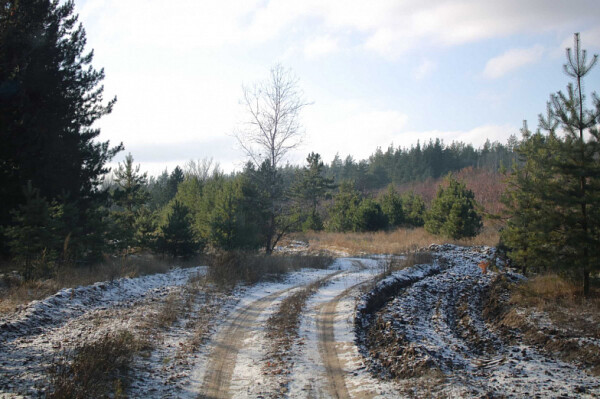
[(565, 184), (50, 97)]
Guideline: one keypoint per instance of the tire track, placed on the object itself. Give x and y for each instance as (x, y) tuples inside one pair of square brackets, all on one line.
[(222, 360), (328, 345)]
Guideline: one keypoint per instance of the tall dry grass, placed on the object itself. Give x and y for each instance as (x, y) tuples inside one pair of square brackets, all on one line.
[(14, 291), (233, 267), (398, 241), (550, 290), (98, 369)]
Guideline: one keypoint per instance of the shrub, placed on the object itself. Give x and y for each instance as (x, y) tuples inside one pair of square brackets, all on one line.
[(97, 369), (369, 217), (453, 213)]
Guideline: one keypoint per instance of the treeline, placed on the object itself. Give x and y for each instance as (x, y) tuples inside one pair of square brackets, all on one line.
[(59, 208), (430, 160), (184, 211)]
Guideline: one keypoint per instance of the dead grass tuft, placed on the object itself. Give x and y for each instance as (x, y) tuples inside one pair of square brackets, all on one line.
[(96, 370), (548, 290), (550, 312), (398, 241), (230, 268), (18, 292)]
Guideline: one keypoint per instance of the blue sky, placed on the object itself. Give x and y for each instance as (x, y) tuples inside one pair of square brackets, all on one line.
[(376, 72)]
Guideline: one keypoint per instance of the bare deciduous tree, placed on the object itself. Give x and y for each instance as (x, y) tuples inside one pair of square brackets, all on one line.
[(273, 127)]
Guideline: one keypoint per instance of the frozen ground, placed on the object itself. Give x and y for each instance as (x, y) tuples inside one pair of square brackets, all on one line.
[(428, 340), (433, 340)]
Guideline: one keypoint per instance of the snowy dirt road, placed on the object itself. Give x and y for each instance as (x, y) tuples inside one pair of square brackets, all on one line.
[(428, 338)]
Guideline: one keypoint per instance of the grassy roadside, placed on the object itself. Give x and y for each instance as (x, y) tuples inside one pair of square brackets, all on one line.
[(549, 312), (15, 292), (398, 241), (96, 369)]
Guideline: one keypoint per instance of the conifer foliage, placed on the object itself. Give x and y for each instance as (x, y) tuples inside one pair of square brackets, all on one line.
[(554, 193), (453, 212), (177, 237), (50, 97)]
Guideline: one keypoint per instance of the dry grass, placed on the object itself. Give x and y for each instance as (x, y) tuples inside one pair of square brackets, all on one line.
[(96, 370), (550, 290), (172, 308), (399, 241), (283, 325), (551, 313), (15, 292), (230, 268)]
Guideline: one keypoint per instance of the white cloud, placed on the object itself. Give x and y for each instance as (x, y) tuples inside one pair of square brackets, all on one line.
[(511, 60), (320, 46), (387, 27), (423, 69)]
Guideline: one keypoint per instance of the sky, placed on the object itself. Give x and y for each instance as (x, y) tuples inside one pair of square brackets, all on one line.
[(376, 73)]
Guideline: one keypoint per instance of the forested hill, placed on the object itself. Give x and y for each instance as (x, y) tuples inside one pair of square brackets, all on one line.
[(421, 162)]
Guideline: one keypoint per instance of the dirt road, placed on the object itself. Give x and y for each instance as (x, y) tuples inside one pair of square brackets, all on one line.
[(230, 340)]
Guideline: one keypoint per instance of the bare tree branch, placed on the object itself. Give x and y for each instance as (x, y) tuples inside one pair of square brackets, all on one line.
[(273, 126)]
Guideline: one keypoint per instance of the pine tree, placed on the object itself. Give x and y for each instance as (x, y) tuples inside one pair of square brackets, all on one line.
[(30, 236), (309, 190), (391, 205), (130, 197), (175, 178), (177, 237), (369, 216), (569, 181), (413, 206), (342, 211), (50, 97), (452, 212), (527, 230)]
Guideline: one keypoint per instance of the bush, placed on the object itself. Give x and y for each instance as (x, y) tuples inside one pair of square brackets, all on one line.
[(97, 369), (413, 207), (369, 217), (452, 212)]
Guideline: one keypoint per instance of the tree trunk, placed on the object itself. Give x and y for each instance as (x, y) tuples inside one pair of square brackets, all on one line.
[(586, 283)]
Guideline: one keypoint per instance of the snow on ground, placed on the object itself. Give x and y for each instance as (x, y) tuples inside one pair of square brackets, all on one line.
[(248, 380), (437, 323), (69, 303), (309, 376), (435, 317), (31, 337)]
